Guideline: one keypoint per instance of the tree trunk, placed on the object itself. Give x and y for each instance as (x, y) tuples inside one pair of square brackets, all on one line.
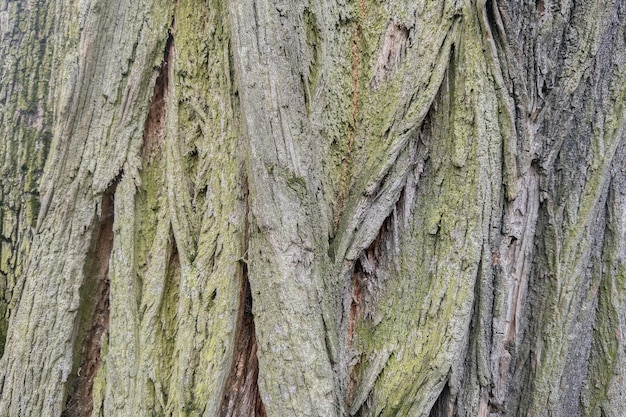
[(313, 208)]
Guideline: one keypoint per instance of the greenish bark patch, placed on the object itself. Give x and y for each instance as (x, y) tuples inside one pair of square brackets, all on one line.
[(26, 121)]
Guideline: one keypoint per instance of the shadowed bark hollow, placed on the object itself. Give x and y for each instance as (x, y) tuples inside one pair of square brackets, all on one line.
[(241, 395), (313, 208)]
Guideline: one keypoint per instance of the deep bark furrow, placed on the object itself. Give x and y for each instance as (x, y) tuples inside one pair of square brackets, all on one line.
[(242, 396), (241, 391), (91, 137), (93, 314), (367, 287), (154, 127), (434, 223), (442, 406)]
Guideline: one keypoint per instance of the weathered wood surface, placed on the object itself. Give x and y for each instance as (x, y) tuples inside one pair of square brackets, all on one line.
[(313, 208)]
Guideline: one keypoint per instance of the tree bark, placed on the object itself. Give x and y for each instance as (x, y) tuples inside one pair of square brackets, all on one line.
[(313, 208)]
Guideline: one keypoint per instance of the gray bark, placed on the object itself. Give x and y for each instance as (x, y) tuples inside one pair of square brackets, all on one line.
[(318, 208)]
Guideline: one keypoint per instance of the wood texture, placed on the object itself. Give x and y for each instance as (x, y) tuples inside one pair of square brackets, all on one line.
[(313, 208)]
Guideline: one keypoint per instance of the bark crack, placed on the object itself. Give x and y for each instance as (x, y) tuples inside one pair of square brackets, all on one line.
[(154, 129), (241, 393), (367, 279), (93, 314), (442, 408)]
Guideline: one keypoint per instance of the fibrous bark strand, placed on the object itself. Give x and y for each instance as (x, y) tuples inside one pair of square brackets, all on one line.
[(499, 125)]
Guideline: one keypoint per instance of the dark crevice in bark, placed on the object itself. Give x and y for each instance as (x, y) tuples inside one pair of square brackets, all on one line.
[(491, 18), (496, 25), (242, 396), (367, 276), (241, 392), (540, 7), (92, 320), (441, 408), (367, 281), (154, 129)]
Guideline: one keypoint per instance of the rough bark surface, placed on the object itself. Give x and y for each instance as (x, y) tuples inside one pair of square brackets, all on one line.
[(313, 208)]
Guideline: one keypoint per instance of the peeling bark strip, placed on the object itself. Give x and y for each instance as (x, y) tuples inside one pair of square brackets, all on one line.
[(391, 53), (93, 317)]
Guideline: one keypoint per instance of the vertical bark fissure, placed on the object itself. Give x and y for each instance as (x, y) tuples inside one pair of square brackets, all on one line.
[(441, 408), (148, 222), (380, 261), (93, 315), (154, 129), (241, 393), (367, 281), (355, 309)]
